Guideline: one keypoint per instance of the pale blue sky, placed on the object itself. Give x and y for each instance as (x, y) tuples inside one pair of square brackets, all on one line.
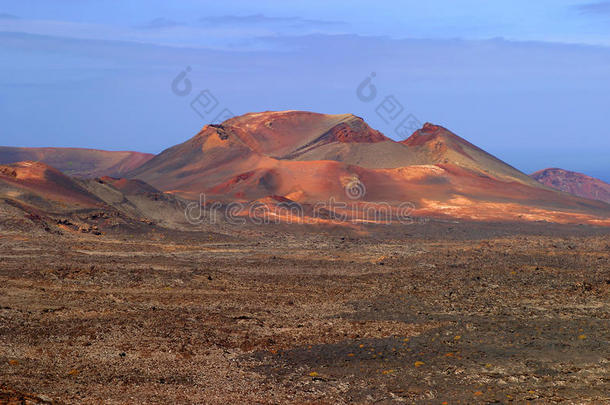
[(527, 81)]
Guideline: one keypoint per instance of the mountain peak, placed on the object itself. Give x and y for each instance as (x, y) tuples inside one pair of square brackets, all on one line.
[(556, 171), (438, 145), (432, 132), (281, 133), (355, 130), (430, 127)]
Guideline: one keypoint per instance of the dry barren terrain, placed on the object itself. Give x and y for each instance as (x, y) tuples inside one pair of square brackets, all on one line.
[(267, 316)]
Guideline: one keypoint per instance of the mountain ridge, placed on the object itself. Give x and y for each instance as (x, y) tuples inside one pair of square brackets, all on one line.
[(309, 157), (79, 162)]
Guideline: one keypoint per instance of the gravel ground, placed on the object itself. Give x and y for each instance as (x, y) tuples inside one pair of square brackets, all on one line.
[(276, 317)]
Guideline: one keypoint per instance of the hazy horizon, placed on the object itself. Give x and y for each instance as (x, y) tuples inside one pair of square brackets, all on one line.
[(528, 83)]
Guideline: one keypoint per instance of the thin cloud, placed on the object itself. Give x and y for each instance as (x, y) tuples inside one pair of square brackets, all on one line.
[(601, 7), (5, 16), (159, 23), (260, 19)]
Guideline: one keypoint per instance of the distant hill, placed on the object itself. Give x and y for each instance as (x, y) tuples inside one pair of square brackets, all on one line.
[(78, 162), (574, 183)]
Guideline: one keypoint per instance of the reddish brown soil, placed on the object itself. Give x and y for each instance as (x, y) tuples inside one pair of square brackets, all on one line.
[(431, 313)]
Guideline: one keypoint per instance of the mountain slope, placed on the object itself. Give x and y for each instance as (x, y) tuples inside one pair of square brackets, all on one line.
[(128, 186), (437, 145), (574, 183), (78, 162)]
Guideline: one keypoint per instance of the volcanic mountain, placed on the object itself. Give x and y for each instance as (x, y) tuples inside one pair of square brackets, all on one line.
[(307, 158), (78, 162), (574, 183)]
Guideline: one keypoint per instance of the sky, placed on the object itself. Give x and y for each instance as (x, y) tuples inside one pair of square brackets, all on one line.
[(526, 81)]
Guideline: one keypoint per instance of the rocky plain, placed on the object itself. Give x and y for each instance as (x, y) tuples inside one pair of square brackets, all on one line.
[(436, 312)]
